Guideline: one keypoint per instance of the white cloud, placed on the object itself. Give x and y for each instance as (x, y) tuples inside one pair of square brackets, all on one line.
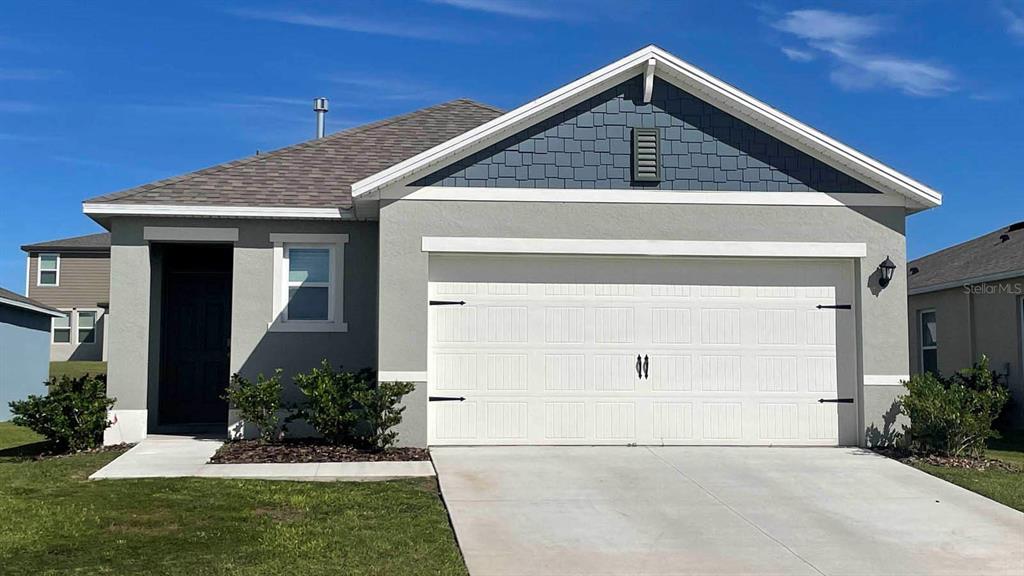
[(1013, 14), (840, 37), (515, 8), (353, 24), (797, 55)]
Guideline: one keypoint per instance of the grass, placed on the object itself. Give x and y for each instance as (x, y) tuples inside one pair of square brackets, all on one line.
[(55, 521), (77, 368), (1000, 485)]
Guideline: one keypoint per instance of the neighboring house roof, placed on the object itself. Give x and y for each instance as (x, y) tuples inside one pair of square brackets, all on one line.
[(89, 243), (18, 301), (653, 61), (316, 174), (997, 255)]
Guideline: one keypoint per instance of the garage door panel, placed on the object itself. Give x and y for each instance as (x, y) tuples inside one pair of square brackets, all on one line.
[(555, 362)]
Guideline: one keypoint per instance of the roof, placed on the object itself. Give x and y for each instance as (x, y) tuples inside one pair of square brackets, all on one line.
[(88, 243), (18, 301), (313, 174), (995, 256), (653, 61)]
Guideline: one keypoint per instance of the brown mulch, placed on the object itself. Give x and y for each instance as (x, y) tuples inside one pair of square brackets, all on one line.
[(303, 451), (966, 462)]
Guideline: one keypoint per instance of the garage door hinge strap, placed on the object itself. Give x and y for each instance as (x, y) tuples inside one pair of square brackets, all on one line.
[(445, 398), (835, 306), (447, 302), (835, 400)]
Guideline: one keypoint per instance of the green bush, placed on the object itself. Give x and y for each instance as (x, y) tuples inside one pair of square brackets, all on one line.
[(350, 408), (72, 415), (953, 416), (259, 403)]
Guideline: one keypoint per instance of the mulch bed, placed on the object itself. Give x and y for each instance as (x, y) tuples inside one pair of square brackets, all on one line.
[(948, 461), (304, 451)]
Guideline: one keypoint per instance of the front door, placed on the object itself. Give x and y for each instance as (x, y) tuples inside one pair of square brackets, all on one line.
[(195, 334)]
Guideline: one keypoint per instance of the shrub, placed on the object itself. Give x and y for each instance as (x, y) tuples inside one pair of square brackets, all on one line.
[(72, 415), (351, 408), (259, 403), (953, 416)]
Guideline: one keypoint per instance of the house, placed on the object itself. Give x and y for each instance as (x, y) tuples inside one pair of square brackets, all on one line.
[(24, 347), (73, 275), (968, 300), (645, 255)]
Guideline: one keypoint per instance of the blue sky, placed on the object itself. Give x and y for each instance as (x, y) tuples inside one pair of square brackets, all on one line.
[(99, 96)]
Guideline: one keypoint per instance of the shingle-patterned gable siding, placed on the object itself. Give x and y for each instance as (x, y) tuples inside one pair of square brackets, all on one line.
[(589, 146)]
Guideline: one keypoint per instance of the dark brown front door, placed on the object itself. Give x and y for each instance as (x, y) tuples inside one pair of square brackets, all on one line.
[(195, 334)]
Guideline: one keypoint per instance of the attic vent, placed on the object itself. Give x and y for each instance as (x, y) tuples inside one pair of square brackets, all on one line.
[(1015, 227), (646, 155)]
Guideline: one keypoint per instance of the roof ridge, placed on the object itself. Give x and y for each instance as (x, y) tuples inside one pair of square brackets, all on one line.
[(129, 192)]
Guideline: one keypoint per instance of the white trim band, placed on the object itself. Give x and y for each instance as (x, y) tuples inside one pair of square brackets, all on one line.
[(103, 209), (606, 247), (402, 376), (885, 379), (630, 196), (186, 234)]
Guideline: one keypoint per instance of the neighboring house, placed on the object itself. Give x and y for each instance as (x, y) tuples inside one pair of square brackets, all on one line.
[(73, 275), (646, 255), (24, 348), (968, 300)]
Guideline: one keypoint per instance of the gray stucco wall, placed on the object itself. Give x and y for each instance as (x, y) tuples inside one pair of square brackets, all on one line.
[(135, 296), (24, 355), (404, 266), (589, 146)]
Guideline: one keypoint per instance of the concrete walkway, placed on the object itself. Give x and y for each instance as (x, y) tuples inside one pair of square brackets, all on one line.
[(182, 456), (712, 510)]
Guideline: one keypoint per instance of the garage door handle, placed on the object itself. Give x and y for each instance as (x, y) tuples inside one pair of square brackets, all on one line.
[(834, 307), (645, 366), (835, 400), (445, 398), (639, 366), (447, 302)]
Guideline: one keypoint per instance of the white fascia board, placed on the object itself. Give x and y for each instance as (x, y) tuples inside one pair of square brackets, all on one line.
[(690, 79), (606, 247), (104, 209), (606, 196), (967, 282), (27, 306)]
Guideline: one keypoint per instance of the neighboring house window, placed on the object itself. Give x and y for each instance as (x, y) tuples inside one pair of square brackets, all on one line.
[(49, 270), (929, 342), (308, 282), (62, 329), (86, 327)]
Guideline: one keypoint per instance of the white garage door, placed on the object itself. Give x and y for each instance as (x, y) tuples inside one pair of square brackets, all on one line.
[(564, 350)]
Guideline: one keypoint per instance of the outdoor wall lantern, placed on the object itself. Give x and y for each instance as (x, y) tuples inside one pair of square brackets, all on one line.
[(885, 271)]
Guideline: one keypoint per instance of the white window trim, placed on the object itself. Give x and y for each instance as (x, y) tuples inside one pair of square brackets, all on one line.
[(69, 314), (39, 270), (336, 297), (921, 348), (95, 325)]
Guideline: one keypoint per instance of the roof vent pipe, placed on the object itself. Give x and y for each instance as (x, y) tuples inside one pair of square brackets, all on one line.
[(320, 107)]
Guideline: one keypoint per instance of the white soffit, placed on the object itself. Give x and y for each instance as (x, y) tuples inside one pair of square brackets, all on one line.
[(688, 78)]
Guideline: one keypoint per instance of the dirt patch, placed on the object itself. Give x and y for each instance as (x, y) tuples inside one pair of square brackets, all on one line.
[(964, 462), (280, 514), (304, 451)]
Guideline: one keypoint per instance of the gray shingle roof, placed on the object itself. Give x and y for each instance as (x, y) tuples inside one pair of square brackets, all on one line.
[(317, 173), (982, 257), (89, 242), (15, 299)]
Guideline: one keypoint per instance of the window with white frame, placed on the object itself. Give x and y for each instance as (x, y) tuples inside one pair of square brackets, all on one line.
[(62, 329), (86, 327), (49, 270), (308, 282), (929, 339)]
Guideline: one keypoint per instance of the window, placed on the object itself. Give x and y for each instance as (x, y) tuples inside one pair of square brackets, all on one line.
[(929, 339), (62, 329), (86, 327), (308, 282), (49, 270)]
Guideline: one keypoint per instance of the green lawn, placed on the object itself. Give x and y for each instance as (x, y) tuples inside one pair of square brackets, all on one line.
[(77, 368), (54, 521), (999, 485)]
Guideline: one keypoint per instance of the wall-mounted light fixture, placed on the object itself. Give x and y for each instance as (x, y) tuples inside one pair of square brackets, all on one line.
[(885, 271)]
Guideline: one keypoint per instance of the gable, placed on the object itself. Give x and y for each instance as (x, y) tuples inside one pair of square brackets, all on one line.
[(589, 145)]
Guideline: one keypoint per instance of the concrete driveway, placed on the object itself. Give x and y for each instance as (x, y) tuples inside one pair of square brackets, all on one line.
[(791, 511)]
